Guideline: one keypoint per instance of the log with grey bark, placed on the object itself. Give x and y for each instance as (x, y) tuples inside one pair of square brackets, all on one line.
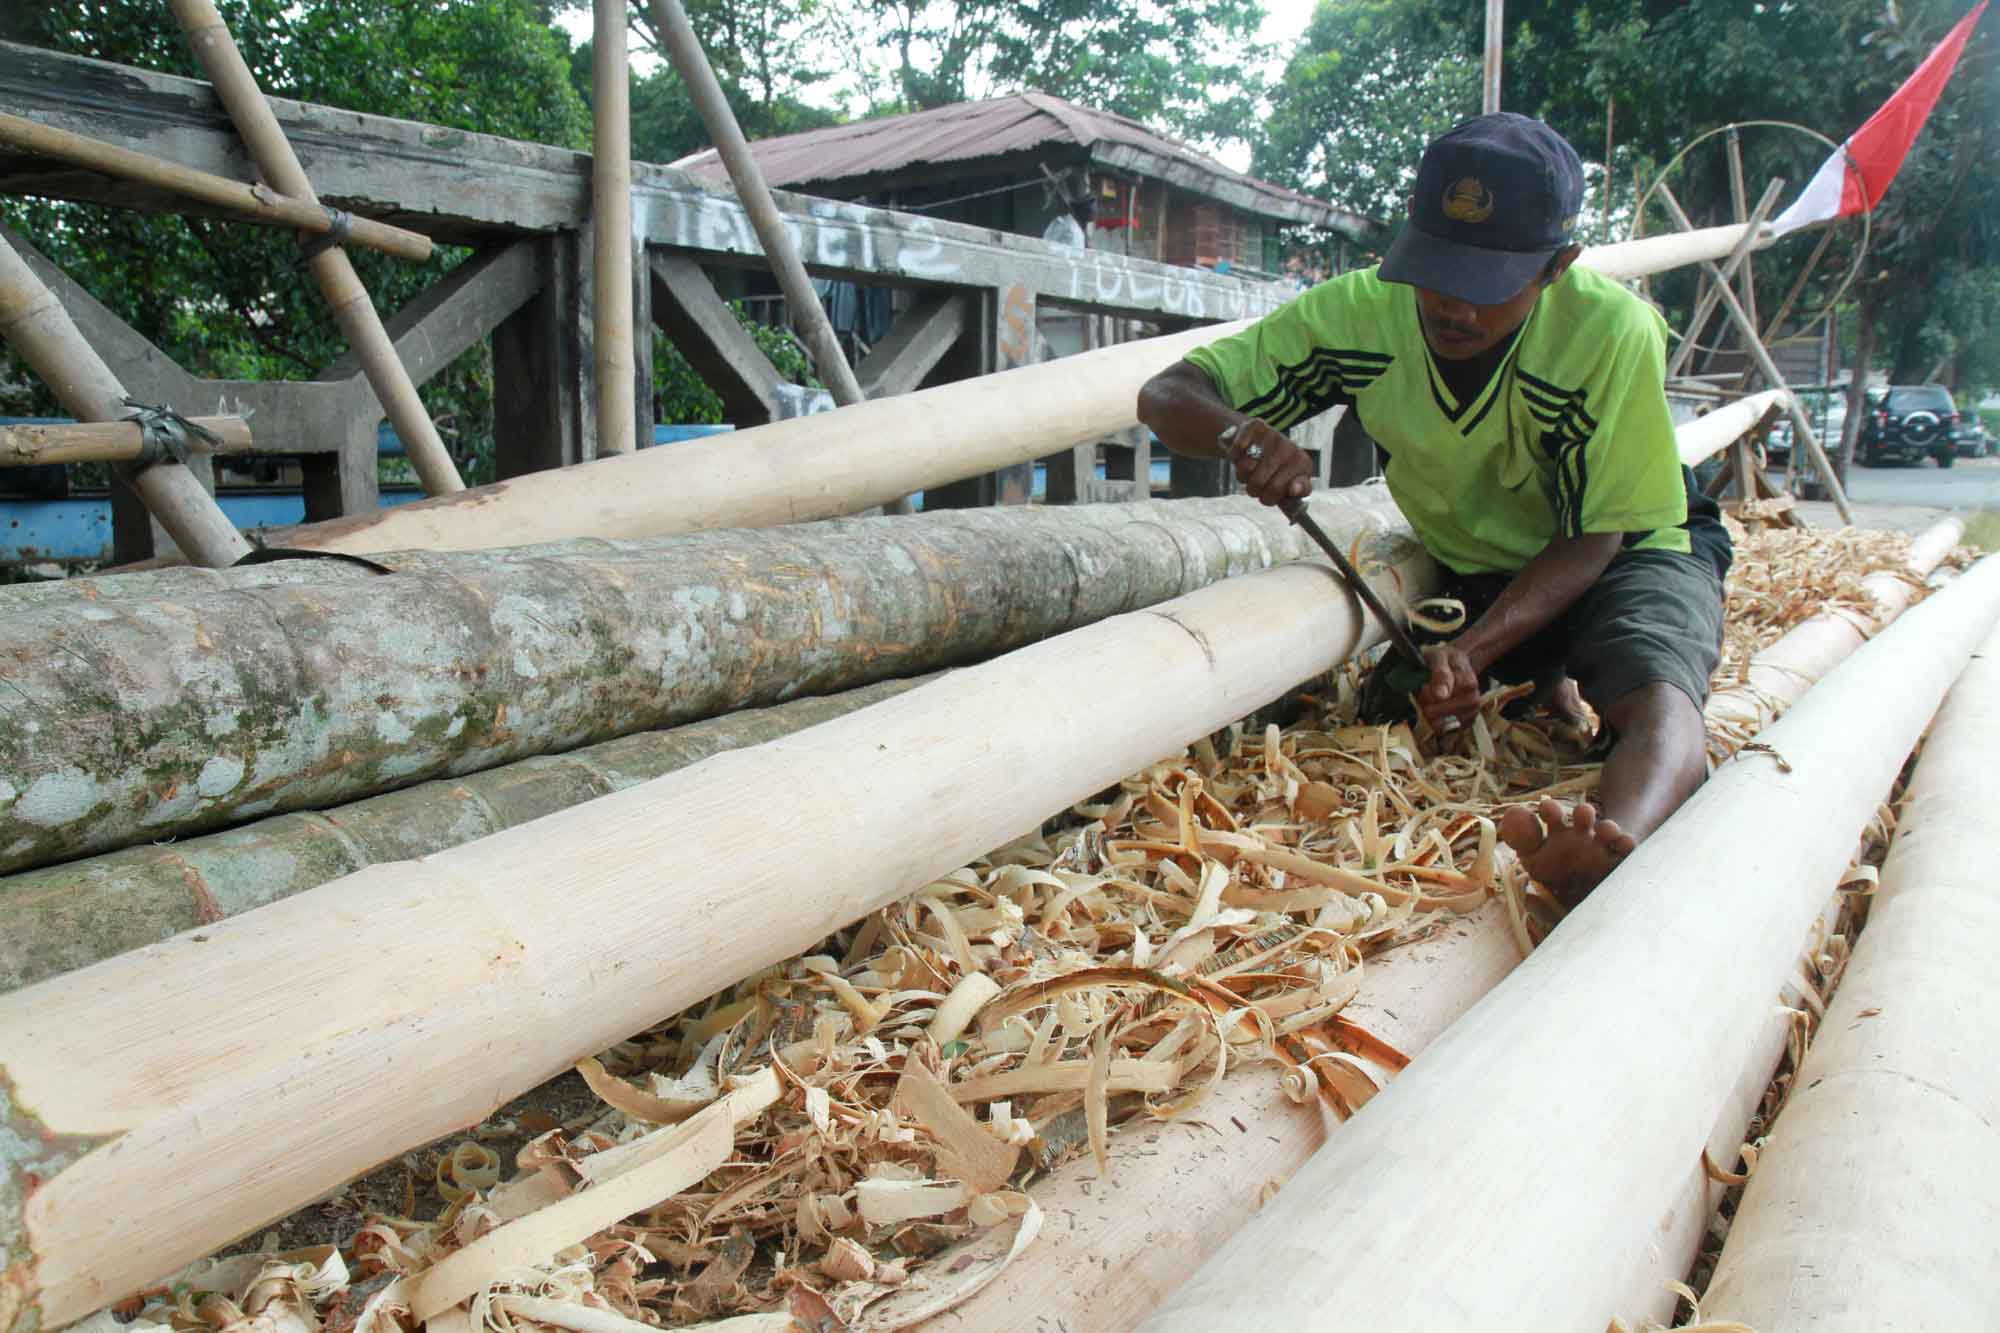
[(126, 722), (67, 916)]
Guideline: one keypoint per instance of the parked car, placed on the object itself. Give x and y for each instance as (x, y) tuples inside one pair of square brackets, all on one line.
[(1973, 439), (1829, 419), (1908, 423)]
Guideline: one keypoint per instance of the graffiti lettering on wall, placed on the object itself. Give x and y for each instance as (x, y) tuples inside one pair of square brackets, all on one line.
[(834, 235), (1017, 327)]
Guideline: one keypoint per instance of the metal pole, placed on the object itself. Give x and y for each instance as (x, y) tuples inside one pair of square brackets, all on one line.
[(684, 49), (611, 229), (1496, 24)]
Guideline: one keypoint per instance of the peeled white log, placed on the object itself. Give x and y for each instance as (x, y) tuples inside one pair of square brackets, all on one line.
[(173, 1098), (1874, 1204), (836, 463), (1535, 1141), (1707, 434), (1113, 1247), (1657, 254), (1810, 650), (788, 471)]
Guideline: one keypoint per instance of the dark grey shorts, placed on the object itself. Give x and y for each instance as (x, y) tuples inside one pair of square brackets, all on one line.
[(1651, 616)]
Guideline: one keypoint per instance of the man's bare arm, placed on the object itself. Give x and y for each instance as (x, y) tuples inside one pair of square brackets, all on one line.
[(1544, 588), (1183, 408)]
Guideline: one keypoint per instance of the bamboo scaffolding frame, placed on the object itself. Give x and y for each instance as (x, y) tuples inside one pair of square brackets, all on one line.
[(1739, 258), (352, 309), (1877, 1180), (175, 1107), (112, 441), (35, 324), (1658, 978), (1802, 428), (257, 204), (684, 50)]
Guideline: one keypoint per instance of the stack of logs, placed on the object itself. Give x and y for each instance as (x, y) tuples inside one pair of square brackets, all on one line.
[(455, 771)]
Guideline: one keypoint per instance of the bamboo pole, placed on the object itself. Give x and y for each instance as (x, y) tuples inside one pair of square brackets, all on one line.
[(1753, 344), (246, 203), (352, 309), (788, 471), (1739, 258), (611, 226), (178, 1096), (684, 49), (113, 441), (67, 916), (1564, 1106), (33, 322), (1496, 32), (288, 697), (1656, 254), (1872, 1206), (841, 462), (1111, 1251), (1714, 431)]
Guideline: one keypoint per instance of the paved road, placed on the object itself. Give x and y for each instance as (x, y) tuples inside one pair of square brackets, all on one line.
[(1973, 484), (1909, 499)]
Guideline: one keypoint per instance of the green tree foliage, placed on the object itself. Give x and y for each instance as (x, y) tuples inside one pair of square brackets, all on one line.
[(1186, 68), (224, 299)]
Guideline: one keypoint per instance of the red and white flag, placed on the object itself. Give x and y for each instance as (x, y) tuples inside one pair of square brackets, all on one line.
[(1855, 178)]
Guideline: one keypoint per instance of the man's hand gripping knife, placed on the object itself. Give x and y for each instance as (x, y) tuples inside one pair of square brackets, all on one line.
[(1276, 471)]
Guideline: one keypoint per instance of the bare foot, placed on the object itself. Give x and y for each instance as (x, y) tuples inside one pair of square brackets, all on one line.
[(1568, 852)]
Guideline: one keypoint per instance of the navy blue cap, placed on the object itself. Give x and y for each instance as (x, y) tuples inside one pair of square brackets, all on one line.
[(1496, 196)]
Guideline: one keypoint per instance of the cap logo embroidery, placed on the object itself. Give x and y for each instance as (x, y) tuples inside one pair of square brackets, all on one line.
[(1468, 201)]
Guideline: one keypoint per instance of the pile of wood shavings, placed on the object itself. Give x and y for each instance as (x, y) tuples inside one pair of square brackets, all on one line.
[(826, 1127)]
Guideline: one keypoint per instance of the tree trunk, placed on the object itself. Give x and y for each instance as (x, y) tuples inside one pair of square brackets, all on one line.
[(132, 722), (1539, 1141), (1857, 384), (169, 1100), (67, 916)]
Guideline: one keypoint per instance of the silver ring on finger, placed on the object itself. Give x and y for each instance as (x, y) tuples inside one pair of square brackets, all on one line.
[(1254, 452)]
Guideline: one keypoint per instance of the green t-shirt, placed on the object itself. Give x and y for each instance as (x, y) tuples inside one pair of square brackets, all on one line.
[(1570, 435)]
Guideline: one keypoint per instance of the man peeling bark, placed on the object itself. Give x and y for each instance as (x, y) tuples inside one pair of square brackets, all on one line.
[(1520, 406)]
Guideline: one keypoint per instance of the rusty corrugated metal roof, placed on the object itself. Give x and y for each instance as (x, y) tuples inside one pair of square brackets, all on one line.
[(971, 131)]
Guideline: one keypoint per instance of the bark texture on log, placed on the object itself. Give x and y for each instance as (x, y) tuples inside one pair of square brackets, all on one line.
[(67, 916), (132, 722), (1564, 1108), (1873, 1205), (187, 1092)]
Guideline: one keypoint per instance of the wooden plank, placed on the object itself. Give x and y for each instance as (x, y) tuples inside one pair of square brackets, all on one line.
[(917, 341), (688, 308), (544, 404)]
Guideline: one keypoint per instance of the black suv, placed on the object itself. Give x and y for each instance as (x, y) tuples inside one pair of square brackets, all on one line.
[(1909, 422)]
